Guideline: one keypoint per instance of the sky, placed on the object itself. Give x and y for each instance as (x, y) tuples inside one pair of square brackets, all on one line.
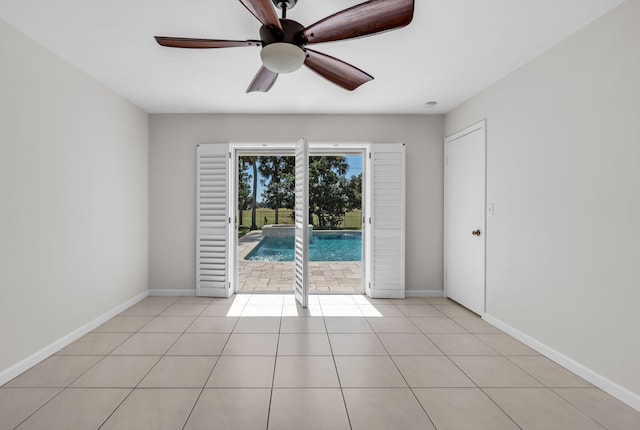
[(355, 168), (355, 165)]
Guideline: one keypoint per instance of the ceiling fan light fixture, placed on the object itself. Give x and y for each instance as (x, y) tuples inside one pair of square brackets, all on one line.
[(282, 57)]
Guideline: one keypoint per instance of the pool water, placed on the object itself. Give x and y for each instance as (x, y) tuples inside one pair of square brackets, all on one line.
[(342, 246)]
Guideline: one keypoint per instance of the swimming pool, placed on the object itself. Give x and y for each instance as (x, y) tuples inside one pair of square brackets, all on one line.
[(329, 246)]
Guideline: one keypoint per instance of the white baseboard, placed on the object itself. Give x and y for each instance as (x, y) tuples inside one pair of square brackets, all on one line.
[(186, 292), (619, 392), (15, 370), (424, 293)]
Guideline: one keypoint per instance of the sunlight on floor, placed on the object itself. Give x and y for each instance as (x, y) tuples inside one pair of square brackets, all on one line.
[(276, 305)]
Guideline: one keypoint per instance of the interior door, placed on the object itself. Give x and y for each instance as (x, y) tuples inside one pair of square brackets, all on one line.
[(465, 208), (302, 223)]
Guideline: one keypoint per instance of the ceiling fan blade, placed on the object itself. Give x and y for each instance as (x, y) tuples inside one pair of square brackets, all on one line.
[(263, 80), (265, 11), (185, 42), (364, 19), (336, 71)]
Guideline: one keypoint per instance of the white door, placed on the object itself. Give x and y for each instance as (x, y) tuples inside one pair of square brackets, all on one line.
[(465, 208), (302, 223), (386, 209), (213, 221)]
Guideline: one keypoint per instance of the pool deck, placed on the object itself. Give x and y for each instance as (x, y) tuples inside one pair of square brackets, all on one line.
[(325, 277)]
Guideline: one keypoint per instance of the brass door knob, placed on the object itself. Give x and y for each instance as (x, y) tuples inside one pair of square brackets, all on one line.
[(476, 232)]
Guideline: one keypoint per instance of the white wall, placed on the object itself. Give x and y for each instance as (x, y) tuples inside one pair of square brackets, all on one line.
[(172, 152), (563, 145), (73, 199)]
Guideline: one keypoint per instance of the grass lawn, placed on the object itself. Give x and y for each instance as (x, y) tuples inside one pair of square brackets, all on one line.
[(352, 220)]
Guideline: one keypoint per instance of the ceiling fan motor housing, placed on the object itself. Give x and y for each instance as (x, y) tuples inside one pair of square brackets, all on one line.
[(292, 33)]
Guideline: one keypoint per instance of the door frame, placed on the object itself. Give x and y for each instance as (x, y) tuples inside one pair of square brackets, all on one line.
[(479, 126), (315, 148)]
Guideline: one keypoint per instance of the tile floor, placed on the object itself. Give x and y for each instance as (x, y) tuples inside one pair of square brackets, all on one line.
[(260, 362)]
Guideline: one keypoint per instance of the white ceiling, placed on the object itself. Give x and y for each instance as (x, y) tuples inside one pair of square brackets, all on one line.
[(452, 50)]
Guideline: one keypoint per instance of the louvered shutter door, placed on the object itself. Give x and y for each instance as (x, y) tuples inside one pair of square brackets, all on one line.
[(302, 222), (387, 220), (212, 253)]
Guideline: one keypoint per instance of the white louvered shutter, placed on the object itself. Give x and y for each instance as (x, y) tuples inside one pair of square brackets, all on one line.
[(301, 223), (387, 166), (212, 238)]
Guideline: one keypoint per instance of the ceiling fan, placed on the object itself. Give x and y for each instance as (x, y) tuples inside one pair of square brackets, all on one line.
[(284, 41)]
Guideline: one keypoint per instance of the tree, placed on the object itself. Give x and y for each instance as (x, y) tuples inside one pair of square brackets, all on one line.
[(252, 161), (354, 193), (280, 194), (328, 196), (243, 186), (279, 176)]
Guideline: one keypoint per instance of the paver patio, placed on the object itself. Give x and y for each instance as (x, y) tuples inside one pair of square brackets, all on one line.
[(324, 276)]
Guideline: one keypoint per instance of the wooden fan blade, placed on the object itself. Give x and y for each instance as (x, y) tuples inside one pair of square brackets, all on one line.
[(364, 19), (265, 11), (185, 42), (336, 71), (263, 80)]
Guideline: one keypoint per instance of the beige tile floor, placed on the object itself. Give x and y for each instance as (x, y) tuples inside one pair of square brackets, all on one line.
[(260, 362), (324, 276)]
